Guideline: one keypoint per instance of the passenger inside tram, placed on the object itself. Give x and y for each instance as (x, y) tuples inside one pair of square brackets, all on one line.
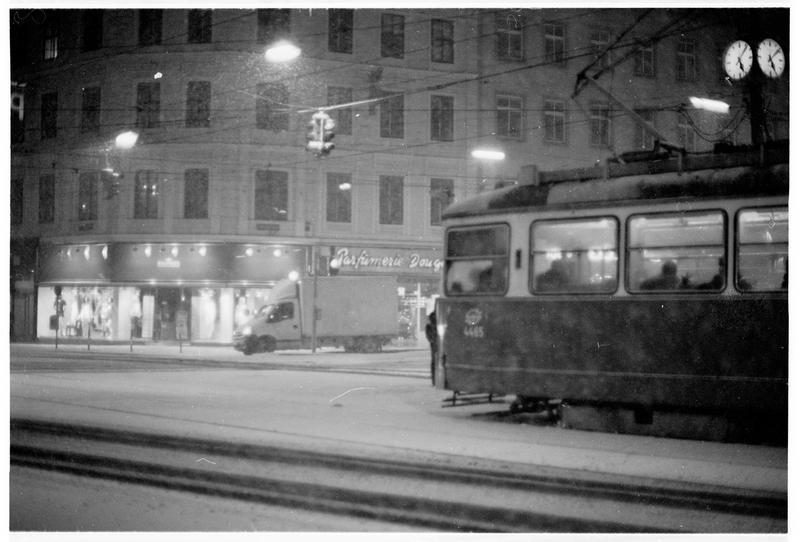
[(667, 280)]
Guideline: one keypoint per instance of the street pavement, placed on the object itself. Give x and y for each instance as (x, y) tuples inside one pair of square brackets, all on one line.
[(734, 465)]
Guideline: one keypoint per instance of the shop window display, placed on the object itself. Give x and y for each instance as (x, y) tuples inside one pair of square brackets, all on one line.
[(79, 312)]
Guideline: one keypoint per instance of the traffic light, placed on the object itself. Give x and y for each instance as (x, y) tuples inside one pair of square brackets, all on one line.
[(328, 124), (314, 135), (320, 133)]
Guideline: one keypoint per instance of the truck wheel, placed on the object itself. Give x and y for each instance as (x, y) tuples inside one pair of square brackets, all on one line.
[(266, 344), (372, 345)]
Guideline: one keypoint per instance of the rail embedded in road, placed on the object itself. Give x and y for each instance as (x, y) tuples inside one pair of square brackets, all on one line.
[(435, 495)]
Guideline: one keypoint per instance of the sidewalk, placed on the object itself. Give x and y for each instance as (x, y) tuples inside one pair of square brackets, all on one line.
[(394, 352)]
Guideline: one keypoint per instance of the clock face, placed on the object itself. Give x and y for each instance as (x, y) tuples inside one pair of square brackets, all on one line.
[(738, 59), (770, 58)]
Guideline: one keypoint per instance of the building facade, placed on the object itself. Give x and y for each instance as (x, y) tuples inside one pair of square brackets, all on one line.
[(183, 234)]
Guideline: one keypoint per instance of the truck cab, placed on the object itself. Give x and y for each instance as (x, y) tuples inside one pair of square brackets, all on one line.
[(273, 325)]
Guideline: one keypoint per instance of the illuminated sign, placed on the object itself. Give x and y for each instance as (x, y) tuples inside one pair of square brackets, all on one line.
[(388, 260)]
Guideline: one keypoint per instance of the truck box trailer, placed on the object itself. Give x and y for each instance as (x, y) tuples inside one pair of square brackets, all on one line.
[(357, 313)]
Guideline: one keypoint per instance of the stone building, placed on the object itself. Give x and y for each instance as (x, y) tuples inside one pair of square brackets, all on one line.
[(219, 198)]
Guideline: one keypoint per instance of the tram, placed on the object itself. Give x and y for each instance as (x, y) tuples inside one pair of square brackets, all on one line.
[(646, 297)]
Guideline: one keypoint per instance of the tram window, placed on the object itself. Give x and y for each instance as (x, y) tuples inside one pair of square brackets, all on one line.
[(683, 252), (477, 260), (763, 249), (574, 256)]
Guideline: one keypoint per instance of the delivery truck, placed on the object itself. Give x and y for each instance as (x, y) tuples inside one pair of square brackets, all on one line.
[(359, 314)]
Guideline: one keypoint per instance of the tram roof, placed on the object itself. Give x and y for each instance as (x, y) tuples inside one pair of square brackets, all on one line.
[(696, 176)]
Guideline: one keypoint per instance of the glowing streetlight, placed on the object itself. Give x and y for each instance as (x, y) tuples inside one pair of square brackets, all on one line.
[(126, 140), (294, 276), (488, 154), (715, 106), (283, 51)]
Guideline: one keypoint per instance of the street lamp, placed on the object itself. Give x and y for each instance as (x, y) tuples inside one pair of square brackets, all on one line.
[(491, 155), (282, 51), (706, 104)]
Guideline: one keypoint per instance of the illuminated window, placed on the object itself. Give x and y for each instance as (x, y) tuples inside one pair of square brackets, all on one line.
[(684, 251), (574, 256), (476, 260), (762, 249)]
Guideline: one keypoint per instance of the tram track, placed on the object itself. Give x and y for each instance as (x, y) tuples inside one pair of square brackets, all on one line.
[(435, 495)]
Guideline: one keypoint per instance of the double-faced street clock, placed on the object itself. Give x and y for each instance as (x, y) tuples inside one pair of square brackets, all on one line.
[(738, 59), (770, 58)]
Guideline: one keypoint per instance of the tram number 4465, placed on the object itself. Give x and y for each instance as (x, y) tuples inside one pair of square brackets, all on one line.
[(473, 332)]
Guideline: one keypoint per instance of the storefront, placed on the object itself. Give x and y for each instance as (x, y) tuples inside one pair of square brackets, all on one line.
[(199, 293), (188, 292)]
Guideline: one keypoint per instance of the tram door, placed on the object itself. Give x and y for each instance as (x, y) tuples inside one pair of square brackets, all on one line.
[(170, 314)]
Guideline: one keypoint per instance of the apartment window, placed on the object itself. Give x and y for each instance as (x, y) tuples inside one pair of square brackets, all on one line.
[(554, 43), (391, 199), (555, 121), (685, 61), (645, 62), (50, 37), (392, 117), (17, 201), (344, 116), (199, 26), (198, 104), (340, 199), (147, 194), (599, 40), (441, 41), (686, 133), (442, 118), (644, 139), (272, 106), (441, 196), (195, 193), (272, 195), (340, 30), (509, 36), (90, 109), (49, 119), (150, 27), (148, 105), (47, 199), (87, 195), (91, 29), (392, 35), (273, 24), (509, 116)]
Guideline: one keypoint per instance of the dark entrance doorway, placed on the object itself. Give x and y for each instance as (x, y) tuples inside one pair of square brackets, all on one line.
[(172, 310)]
